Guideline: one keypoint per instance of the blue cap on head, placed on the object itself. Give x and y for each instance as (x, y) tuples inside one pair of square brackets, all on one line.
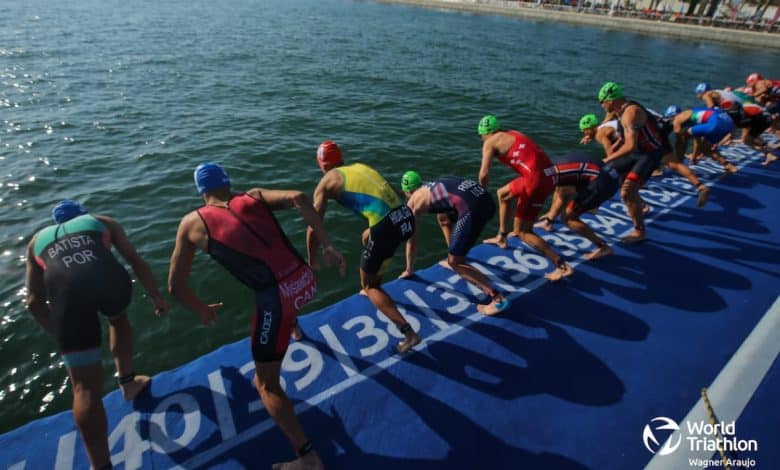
[(672, 110), (702, 87), (66, 210), (210, 176)]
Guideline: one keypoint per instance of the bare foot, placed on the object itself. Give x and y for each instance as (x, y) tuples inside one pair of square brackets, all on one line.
[(131, 390), (445, 264), (495, 306), (704, 193), (599, 252), (564, 270), (412, 340), (296, 333), (658, 172), (646, 208), (498, 240), (310, 461), (769, 159), (545, 223), (730, 168), (634, 237)]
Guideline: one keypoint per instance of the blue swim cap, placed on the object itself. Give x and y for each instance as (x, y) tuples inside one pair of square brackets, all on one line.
[(210, 176), (66, 210), (702, 87), (672, 110)]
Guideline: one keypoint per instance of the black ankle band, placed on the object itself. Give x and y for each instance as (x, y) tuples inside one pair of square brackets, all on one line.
[(127, 378), (304, 449), (107, 466), (503, 234), (560, 263), (406, 328)]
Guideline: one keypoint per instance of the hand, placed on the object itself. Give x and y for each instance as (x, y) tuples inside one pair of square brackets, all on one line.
[(333, 256), (209, 314), (585, 140), (406, 274), (161, 307)]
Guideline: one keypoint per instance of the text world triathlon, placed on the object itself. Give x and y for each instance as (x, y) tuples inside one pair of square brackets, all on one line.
[(717, 437)]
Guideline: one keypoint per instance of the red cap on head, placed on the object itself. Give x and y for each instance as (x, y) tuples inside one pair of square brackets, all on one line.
[(753, 78), (329, 155)]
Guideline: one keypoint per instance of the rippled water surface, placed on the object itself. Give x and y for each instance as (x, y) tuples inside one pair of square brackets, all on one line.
[(114, 103)]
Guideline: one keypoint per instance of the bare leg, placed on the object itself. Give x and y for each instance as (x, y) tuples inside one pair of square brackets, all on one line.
[(562, 268), (120, 340), (683, 170), (296, 333), (578, 226), (88, 412), (446, 226), (546, 221), (281, 410), (630, 194), (373, 287), (504, 196), (475, 277)]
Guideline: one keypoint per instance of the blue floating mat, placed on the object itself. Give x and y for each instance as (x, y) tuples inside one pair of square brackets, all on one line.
[(578, 374)]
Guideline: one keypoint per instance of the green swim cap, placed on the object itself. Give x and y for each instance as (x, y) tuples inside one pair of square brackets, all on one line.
[(410, 181), (488, 124), (610, 91), (587, 121)]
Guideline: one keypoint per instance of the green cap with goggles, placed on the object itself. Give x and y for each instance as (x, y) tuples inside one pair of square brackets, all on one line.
[(488, 124), (587, 121), (610, 91), (410, 181)]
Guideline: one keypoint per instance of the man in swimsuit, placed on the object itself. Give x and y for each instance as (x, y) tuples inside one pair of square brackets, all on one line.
[(582, 184), (531, 189), (766, 92), (747, 115), (636, 155), (708, 126), (465, 208), (363, 190), (240, 231), (71, 276)]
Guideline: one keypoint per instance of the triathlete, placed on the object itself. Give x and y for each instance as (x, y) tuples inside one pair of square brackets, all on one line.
[(71, 276), (466, 208), (708, 126), (363, 190), (637, 156), (531, 188), (241, 233)]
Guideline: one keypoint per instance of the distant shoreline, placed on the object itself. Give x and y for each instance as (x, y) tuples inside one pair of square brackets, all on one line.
[(736, 37)]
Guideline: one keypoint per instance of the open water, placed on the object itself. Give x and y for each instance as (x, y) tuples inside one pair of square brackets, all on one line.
[(114, 104)]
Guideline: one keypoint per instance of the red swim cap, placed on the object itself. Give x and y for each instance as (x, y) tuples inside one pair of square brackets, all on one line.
[(329, 155), (753, 78)]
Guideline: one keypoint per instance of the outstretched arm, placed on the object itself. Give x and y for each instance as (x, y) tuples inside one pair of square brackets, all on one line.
[(295, 199), (36, 293), (487, 158), (179, 271), (140, 267), (320, 204)]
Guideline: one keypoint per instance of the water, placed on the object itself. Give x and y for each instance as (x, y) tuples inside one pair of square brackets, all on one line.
[(114, 104)]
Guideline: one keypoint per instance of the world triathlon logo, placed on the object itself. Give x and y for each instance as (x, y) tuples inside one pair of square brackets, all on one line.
[(659, 430)]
